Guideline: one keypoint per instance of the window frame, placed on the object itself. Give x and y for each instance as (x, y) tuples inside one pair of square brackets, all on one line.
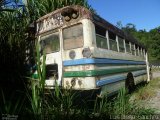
[(133, 48), (121, 38), (50, 33), (104, 39), (103, 36), (137, 49), (82, 36), (127, 42), (113, 40)]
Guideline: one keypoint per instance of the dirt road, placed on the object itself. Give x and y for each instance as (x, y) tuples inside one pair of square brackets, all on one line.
[(156, 74), (149, 95), (154, 102)]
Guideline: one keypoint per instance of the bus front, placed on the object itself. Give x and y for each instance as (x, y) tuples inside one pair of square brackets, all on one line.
[(66, 37)]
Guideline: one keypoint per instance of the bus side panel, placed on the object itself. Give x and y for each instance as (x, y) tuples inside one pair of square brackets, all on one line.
[(104, 53)]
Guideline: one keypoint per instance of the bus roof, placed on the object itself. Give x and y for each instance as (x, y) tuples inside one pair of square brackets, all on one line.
[(56, 19)]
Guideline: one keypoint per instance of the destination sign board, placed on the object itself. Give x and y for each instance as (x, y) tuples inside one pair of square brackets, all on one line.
[(49, 23)]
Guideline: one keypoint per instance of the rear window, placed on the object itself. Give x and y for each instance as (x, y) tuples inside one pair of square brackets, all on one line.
[(73, 37)]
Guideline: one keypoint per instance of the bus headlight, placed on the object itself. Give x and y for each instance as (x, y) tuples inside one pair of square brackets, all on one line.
[(75, 15), (72, 54), (67, 18), (69, 13), (86, 52)]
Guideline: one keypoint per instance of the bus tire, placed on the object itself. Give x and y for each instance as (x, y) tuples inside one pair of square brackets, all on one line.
[(129, 83), (150, 73)]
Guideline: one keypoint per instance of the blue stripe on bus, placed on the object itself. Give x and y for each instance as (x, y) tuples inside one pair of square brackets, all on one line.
[(138, 73), (118, 78), (111, 80), (101, 61)]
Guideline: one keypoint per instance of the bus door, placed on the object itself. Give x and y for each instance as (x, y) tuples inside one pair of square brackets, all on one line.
[(50, 43)]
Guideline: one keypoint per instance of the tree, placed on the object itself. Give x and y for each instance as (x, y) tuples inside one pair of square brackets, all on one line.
[(38, 8), (155, 43), (119, 25), (151, 39), (130, 28)]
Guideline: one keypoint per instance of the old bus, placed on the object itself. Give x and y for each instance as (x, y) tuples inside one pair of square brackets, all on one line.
[(85, 52)]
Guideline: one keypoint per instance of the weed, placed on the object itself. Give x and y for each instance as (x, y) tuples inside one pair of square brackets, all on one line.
[(146, 91), (10, 104)]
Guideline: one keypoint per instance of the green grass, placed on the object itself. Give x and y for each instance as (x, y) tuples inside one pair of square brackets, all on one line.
[(59, 104), (147, 91), (153, 69), (10, 104)]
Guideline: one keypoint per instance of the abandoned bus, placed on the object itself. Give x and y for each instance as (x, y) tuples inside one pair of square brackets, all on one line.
[(85, 52)]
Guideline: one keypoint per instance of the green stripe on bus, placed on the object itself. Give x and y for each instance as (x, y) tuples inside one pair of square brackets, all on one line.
[(90, 73)]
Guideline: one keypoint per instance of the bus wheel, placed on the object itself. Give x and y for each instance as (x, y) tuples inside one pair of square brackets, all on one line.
[(150, 73), (129, 83)]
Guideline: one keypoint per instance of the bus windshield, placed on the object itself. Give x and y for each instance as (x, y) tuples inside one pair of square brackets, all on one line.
[(50, 43), (73, 37)]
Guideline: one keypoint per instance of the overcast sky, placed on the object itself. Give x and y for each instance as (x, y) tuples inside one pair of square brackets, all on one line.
[(145, 14)]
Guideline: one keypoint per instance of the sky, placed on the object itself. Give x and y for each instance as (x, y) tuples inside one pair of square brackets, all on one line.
[(145, 14)]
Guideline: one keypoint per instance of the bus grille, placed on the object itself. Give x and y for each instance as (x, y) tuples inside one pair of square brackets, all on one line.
[(52, 72)]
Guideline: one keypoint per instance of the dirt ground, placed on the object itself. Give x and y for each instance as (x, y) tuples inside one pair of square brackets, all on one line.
[(154, 102), (150, 94), (156, 74)]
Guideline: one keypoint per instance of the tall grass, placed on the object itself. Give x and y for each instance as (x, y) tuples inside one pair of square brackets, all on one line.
[(57, 103), (10, 105), (60, 103), (119, 106), (36, 97), (147, 91), (38, 8)]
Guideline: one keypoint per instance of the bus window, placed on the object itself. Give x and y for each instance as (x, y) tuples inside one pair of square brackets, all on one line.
[(133, 48), (73, 37), (100, 30), (137, 51), (121, 44), (140, 51), (50, 43), (112, 41), (101, 39), (128, 50), (144, 53)]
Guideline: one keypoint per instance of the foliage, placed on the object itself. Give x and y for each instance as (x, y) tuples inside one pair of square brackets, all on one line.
[(13, 45), (37, 86), (155, 40), (17, 40), (146, 92), (10, 105), (38, 8), (43, 103), (119, 106), (150, 39)]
